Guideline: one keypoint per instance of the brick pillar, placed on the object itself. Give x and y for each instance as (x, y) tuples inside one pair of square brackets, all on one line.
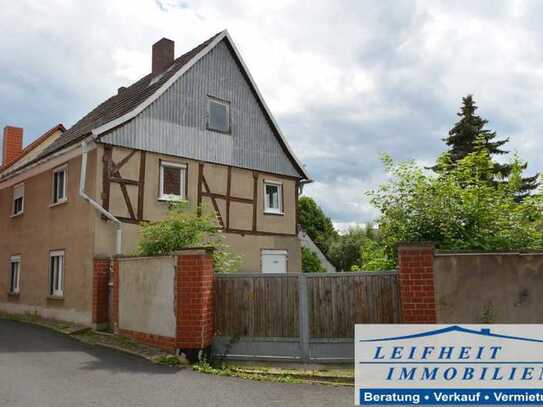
[(417, 283), (100, 291), (194, 302)]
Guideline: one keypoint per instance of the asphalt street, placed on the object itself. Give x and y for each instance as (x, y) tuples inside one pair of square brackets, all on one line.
[(40, 368)]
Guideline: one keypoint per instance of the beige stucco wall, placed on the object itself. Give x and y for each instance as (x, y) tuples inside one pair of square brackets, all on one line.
[(40, 229), (146, 300), (249, 245), (498, 288)]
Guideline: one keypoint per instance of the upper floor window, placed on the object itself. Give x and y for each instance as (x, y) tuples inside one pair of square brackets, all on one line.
[(15, 274), (56, 273), (172, 181), (273, 197), (59, 184), (218, 112), (18, 199)]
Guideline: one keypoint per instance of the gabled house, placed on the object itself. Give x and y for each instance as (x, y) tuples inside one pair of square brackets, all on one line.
[(196, 129)]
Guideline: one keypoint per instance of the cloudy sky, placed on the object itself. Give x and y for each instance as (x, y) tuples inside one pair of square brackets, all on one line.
[(346, 79)]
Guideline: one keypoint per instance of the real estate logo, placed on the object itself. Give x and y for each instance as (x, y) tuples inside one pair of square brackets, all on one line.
[(449, 364)]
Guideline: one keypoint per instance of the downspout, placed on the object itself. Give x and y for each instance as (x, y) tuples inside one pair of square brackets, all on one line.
[(83, 194)]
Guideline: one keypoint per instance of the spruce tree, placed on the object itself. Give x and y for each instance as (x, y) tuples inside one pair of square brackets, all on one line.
[(463, 138)]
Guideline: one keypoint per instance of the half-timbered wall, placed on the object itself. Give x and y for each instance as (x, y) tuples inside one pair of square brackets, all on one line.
[(131, 192)]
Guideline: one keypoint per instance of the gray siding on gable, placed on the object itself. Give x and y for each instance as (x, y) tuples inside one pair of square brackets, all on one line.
[(176, 123)]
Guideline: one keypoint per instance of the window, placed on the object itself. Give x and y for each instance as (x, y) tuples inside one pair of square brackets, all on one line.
[(18, 199), (59, 184), (56, 273), (273, 197), (15, 274), (218, 115), (172, 181)]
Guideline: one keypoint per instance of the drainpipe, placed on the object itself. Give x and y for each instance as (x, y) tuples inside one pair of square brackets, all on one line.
[(83, 194)]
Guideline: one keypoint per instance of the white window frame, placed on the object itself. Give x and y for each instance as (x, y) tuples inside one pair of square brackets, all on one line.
[(56, 290), (15, 288), (59, 200), (225, 103), (17, 195), (182, 183), (267, 208)]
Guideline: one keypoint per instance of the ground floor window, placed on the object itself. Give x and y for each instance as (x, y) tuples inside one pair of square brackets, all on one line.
[(15, 277), (56, 273), (274, 261)]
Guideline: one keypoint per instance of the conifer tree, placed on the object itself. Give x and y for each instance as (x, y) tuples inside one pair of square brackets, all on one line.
[(467, 133)]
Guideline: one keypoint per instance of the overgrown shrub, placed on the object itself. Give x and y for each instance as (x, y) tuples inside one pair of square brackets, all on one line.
[(311, 262), (183, 227), (465, 207)]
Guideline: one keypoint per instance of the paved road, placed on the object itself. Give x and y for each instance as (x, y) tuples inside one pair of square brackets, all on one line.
[(39, 367)]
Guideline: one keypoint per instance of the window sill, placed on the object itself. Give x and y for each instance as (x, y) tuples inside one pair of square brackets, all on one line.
[(59, 203), (166, 199), (227, 132), (16, 215), (274, 213), (55, 298)]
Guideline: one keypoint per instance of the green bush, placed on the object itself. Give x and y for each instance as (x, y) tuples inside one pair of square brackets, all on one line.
[(311, 263), (182, 228), (463, 208)]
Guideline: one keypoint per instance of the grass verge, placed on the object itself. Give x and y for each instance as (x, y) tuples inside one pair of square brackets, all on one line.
[(335, 377)]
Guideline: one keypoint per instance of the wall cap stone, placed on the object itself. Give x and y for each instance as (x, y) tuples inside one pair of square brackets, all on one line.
[(134, 258), (193, 251), (414, 245)]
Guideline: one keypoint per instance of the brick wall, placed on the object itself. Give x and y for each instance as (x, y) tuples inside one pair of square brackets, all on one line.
[(194, 300), (162, 342), (417, 283), (100, 290)]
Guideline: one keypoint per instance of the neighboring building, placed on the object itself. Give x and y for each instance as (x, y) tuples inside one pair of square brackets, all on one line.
[(14, 156), (310, 245), (196, 129)]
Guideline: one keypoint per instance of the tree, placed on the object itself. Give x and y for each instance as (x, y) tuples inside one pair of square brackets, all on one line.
[(458, 209), (311, 262), (184, 227), (316, 224), (345, 250), (462, 141)]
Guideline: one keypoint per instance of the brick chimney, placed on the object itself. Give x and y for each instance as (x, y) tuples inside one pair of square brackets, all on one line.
[(12, 145), (163, 55)]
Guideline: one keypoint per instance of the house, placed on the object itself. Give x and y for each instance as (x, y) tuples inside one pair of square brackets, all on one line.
[(196, 129), (14, 156)]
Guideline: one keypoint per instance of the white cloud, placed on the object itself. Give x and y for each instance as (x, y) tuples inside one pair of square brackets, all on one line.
[(347, 80)]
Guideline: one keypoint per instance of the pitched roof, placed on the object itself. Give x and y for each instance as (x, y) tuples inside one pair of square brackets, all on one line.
[(127, 104), (33, 145)]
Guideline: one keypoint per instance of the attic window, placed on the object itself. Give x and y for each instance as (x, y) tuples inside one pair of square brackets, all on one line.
[(218, 115)]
